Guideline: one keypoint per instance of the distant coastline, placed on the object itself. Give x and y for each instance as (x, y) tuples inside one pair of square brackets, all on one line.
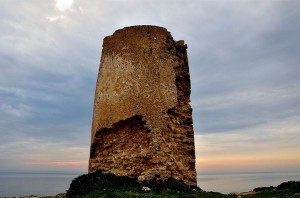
[(61, 195)]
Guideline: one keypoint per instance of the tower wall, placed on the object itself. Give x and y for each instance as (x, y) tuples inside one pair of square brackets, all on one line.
[(142, 119)]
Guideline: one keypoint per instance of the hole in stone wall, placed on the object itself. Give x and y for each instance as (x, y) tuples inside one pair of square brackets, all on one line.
[(123, 136)]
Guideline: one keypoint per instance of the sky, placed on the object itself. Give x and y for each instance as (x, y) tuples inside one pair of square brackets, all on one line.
[(244, 65)]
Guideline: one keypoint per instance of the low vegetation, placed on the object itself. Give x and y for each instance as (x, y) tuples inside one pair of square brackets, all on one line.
[(99, 185), (289, 189)]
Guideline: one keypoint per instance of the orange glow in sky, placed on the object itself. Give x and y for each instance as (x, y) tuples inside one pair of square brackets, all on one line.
[(60, 163)]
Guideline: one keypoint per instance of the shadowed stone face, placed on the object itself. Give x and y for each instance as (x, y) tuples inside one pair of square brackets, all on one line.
[(142, 120)]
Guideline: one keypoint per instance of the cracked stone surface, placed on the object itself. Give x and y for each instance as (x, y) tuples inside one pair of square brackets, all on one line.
[(142, 119)]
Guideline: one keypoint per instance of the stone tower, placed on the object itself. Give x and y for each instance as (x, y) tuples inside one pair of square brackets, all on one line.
[(142, 120)]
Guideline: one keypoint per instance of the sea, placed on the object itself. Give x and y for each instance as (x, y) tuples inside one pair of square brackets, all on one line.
[(38, 183), (34, 183), (243, 181)]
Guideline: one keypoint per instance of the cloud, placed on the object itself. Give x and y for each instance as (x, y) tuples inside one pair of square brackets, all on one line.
[(243, 60), (267, 147), (244, 66), (221, 112), (63, 5), (39, 154), (55, 18)]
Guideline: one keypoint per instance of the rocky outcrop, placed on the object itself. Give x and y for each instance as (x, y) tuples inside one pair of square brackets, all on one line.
[(142, 119)]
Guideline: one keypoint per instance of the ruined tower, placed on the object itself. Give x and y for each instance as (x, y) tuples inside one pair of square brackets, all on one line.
[(142, 119)]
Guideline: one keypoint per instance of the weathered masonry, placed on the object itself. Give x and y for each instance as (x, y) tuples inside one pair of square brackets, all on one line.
[(142, 119)]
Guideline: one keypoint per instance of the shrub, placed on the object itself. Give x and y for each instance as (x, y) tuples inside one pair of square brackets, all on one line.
[(112, 184)]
